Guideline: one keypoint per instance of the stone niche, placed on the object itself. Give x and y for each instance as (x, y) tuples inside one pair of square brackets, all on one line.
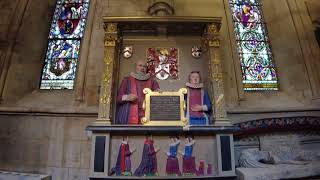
[(213, 143)]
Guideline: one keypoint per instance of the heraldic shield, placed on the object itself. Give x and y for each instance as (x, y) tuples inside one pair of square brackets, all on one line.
[(163, 63)]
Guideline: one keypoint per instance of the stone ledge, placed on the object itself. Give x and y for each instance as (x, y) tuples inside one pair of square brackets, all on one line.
[(167, 177), (139, 129), (277, 124), (46, 112)]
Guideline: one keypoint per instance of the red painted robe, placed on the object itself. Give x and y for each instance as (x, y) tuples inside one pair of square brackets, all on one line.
[(132, 112)]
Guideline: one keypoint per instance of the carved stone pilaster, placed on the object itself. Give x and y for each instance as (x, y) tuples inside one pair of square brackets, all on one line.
[(106, 93), (216, 75)]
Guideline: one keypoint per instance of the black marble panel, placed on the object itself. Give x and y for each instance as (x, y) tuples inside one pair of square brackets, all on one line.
[(99, 153), (225, 153)]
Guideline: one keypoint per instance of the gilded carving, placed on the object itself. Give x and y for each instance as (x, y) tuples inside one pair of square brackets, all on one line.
[(217, 76), (213, 35), (216, 62), (110, 42), (107, 75), (213, 28), (215, 73), (110, 28), (215, 42)]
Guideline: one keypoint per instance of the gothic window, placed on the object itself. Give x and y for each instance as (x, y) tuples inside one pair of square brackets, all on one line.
[(66, 32), (258, 70)]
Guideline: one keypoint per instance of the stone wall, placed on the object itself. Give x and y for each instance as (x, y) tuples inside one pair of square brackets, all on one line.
[(46, 144)]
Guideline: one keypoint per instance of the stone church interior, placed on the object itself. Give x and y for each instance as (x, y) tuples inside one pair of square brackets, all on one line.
[(159, 89)]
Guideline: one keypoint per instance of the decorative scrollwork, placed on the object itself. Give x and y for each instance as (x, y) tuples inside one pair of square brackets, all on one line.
[(213, 28), (217, 76), (107, 75), (110, 42), (110, 28), (215, 42)]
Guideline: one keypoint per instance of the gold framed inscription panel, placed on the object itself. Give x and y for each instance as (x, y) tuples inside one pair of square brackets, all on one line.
[(162, 100)]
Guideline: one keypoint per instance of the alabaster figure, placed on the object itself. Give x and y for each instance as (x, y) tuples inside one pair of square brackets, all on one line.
[(189, 163), (130, 95), (198, 101), (209, 169), (201, 169), (123, 164), (172, 166), (148, 164)]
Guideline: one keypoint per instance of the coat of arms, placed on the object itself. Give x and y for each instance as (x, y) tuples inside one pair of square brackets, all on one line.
[(163, 62), (60, 66), (127, 52), (196, 52)]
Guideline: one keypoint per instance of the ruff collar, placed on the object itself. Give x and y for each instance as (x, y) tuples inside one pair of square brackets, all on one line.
[(195, 86), (140, 76)]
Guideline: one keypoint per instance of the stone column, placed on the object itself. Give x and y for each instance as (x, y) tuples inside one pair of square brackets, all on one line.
[(110, 50), (216, 76)]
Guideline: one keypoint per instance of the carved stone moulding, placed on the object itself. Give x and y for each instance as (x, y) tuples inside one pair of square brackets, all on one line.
[(170, 26), (301, 123)]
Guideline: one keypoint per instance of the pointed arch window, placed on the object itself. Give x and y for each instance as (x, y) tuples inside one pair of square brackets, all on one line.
[(66, 32), (257, 67)]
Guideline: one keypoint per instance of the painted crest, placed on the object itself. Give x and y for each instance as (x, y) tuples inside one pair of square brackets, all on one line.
[(127, 52), (69, 17), (163, 62), (60, 66), (196, 51)]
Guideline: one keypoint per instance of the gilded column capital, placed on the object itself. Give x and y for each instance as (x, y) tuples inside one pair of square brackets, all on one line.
[(213, 34), (110, 34), (213, 28), (110, 27)]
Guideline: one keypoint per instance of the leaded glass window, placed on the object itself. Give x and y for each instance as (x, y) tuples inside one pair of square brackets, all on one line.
[(258, 70), (66, 32)]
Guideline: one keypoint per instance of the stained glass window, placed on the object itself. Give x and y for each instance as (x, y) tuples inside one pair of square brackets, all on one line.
[(258, 70), (66, 32)]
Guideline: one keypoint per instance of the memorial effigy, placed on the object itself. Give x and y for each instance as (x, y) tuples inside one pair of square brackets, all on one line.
[(164, 97)]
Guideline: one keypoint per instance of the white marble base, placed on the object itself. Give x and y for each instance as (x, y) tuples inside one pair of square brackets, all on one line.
[(22, 176), (279, 171)]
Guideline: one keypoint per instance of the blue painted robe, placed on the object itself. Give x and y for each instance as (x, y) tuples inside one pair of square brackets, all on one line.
[(202, 117)]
